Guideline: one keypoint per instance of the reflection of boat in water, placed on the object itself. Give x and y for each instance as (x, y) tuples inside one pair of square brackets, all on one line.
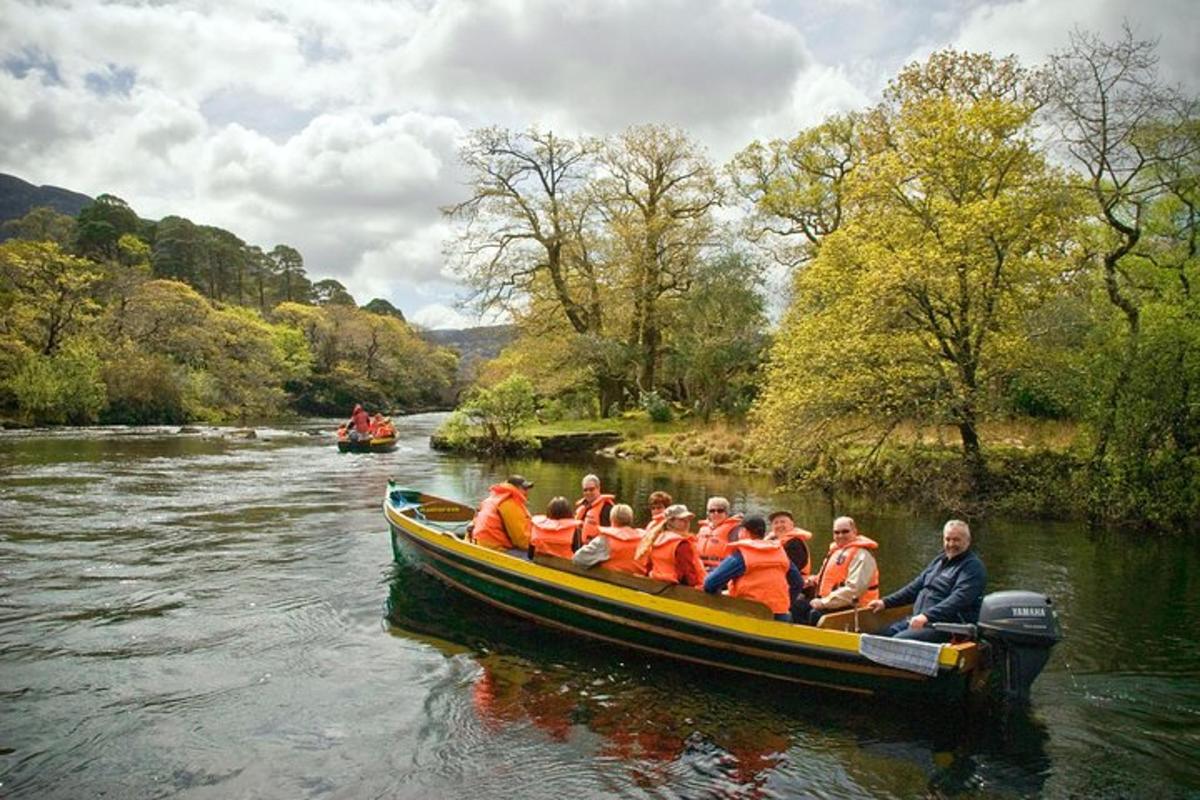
[(679, 622), (670, 724)]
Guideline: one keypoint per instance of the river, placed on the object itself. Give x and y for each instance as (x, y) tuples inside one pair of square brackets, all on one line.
[(201, 616)]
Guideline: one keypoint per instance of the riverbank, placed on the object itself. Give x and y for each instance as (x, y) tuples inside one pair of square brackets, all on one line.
[(1035, 470)]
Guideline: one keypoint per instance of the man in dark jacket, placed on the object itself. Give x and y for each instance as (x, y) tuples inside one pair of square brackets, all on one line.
[(950, 589)]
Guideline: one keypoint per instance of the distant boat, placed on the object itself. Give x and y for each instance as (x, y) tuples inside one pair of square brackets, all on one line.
[(1012, 641), (377, 444)]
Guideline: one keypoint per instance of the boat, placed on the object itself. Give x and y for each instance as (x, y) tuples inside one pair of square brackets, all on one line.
[(998, 659), (376, 444)]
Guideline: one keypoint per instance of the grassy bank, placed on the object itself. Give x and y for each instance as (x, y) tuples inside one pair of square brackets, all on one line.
[(1034, 469)]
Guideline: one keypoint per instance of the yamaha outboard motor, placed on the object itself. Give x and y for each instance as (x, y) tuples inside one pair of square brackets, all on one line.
[(1021, 627)]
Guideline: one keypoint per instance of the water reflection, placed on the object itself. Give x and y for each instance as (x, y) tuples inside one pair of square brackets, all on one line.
[(663, 724)]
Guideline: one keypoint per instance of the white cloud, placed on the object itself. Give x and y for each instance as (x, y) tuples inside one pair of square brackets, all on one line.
[(1032, 29), (334, 127), (604, 66)]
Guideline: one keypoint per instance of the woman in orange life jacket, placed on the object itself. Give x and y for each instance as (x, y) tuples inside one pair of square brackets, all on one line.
[(553, 533), (658, 505), (670, 548), (502, 521), (849, 576), (593, 509), (713, 538), (794, 540), (615, 547), (758, 569)]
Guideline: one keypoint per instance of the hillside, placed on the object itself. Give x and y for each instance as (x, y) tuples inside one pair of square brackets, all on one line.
[(474, 345), (18, 197)]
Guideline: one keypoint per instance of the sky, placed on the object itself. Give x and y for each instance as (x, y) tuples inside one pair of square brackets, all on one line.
[(334, 126)]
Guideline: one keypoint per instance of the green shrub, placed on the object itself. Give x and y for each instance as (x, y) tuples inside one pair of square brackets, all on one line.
[(658, 409)]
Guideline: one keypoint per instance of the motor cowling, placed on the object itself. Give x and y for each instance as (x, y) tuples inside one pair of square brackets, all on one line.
[(1021, 627)]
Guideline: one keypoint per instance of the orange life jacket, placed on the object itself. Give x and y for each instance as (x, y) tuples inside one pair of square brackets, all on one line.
[(713, 543), (553, 536), (662, 558), (590, 515), (837, 567), (804, 536), (622, 543), (488, 527), (765, 578)]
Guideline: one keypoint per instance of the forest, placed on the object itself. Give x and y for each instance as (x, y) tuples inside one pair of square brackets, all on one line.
[(109, 318), (991, 246)]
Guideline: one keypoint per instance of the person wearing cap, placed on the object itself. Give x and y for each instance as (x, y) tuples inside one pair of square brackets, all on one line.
[(594, 509), (670, 547), (794, 540), (503, 522), (713, 538), (758, 569), (615, 547)]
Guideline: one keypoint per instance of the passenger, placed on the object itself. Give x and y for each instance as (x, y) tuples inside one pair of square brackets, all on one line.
[(758, 569), (848, 578), (794, 540), (553, 533), (713, 538), (658, 504), (359, 424), (593, 509), (502, 522), (615, 547), (670, 547), (950, 589)]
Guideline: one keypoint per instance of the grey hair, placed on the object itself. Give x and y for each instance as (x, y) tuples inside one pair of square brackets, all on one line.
[(621, 514), (589, 479), (958, 523)]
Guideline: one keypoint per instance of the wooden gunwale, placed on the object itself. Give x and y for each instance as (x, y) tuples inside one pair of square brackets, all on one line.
[(548, 593)]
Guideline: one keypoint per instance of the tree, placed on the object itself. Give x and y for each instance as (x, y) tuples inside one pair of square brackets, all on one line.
[(101, 224), (289, 267), (658, 195), (501, 409), (43, 224), (64, 387), (1137, 143), (952, 233), (527, 232), (381, 306), (796, 188), (717, 356), (47, 291), (329, 292)]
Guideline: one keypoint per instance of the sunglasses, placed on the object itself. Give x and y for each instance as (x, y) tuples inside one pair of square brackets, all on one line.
[(842, 530), (717, 511)]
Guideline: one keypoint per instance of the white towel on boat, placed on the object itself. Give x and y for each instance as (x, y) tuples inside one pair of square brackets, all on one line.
[(914, 656)]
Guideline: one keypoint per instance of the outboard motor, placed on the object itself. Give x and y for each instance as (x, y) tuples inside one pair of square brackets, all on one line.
[(1021, 627)]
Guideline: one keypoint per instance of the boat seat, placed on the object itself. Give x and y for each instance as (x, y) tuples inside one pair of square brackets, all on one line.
[(867, 621), (672, 591)]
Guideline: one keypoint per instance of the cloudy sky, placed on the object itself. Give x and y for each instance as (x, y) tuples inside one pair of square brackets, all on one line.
[(333, 126)]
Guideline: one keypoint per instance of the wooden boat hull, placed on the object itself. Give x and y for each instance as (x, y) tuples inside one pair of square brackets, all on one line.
[(382, 445), (661, 625)]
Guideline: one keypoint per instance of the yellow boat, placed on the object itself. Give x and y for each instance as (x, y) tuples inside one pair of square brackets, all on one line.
[(1009, 646)]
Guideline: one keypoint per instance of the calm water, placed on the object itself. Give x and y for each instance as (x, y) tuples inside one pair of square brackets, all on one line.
[(196, 616)]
